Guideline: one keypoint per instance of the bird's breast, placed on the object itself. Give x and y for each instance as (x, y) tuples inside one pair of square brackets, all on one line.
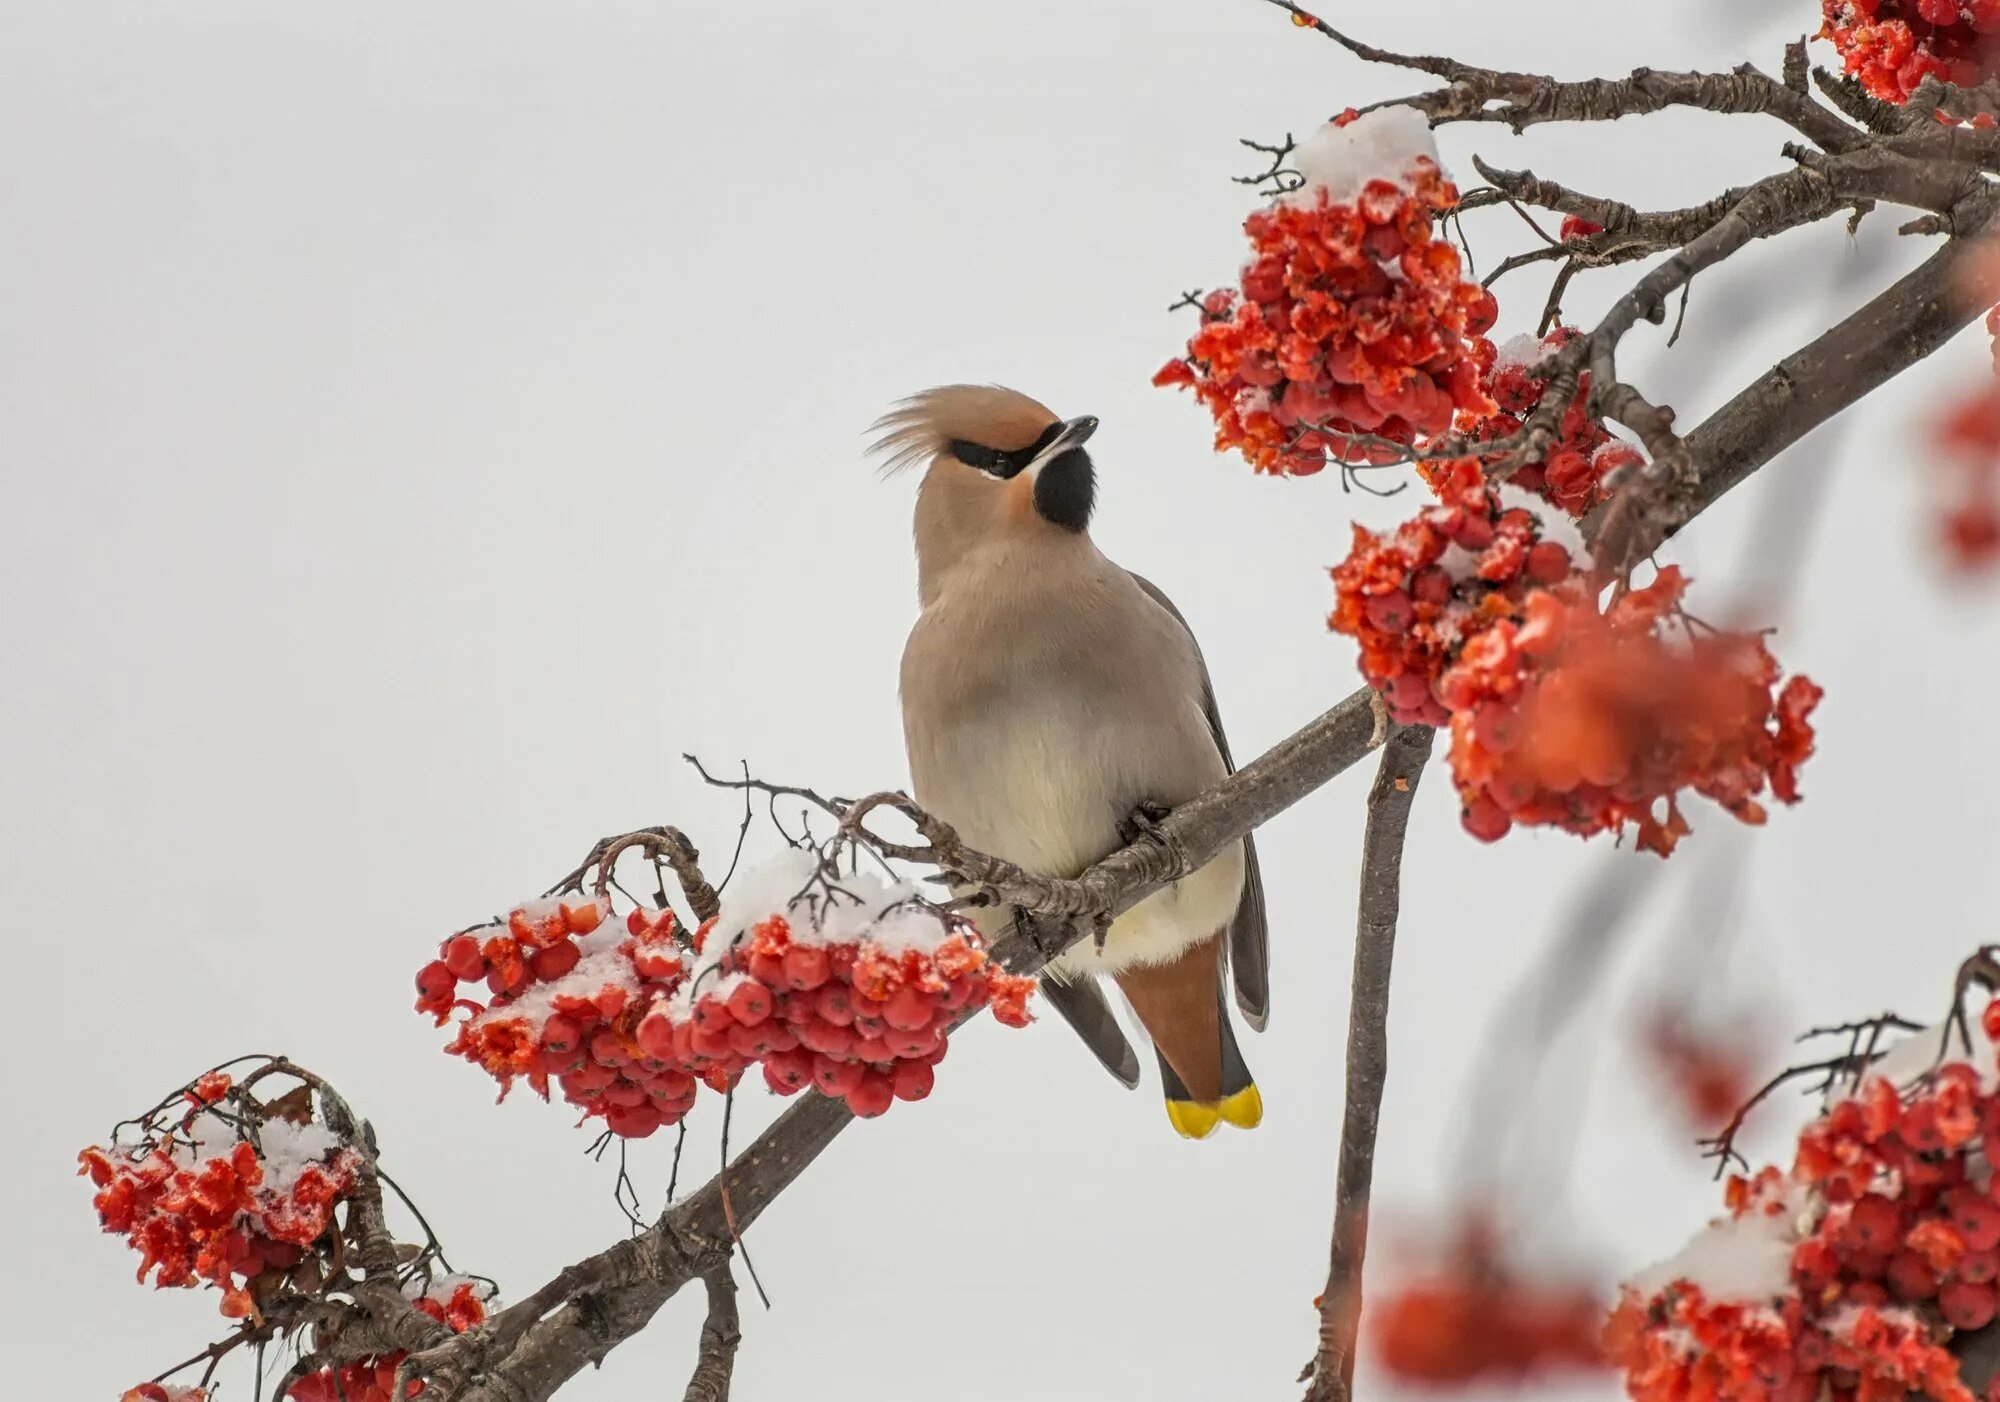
[(1036, 728)]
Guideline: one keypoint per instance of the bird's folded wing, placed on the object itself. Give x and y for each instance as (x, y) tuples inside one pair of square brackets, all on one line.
[(1249, 937), (1083, 1007)]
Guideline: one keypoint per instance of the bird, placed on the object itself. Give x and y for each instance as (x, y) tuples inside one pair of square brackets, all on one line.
[(1054, 704)]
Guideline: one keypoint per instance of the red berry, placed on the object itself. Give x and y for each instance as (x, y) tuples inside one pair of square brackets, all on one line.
[(1391, 612), (750, 1003), (1966, 1305), (836, 1078), (912, 1080), (874, 1095), (463, 957), (905, 1042), (1431, 585), (1473, 532), (827, 1037), (711, 1041), (1910, 1277), (582, 914), (1919, 1128), (436, 982), (751, 1042), (552, 963), (788, 1072), (908, 1009), (805, 967), (869, 1024), (1486, 820), (561, 1033), (633, 1121), (833, 1005), (1548, 562), (1874, 1224), (660, 962), (654, 1034), (1979, 1267), (712, 1012), (1978, 1221)]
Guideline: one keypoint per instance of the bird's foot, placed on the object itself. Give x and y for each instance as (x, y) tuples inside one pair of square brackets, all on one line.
[(1144, 821)]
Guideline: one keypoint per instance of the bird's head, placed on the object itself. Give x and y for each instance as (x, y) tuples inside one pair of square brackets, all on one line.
[(994, 460)]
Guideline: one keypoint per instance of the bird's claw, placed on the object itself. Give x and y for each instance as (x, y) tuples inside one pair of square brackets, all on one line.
[(1143, 821)]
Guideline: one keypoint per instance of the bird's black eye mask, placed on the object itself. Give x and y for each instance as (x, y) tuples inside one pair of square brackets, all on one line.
[(995, 463)]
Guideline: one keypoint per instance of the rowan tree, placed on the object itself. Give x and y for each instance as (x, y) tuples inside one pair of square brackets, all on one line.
[(1523, 605)]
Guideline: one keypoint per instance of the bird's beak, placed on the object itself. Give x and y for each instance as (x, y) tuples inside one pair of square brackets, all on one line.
[(1074, 433)]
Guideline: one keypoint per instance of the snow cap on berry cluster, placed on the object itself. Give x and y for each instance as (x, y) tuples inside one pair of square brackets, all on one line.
[(888, 914), (602, 962), (1384, 144)]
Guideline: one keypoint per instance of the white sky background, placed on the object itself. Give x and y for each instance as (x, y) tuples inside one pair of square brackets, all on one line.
[(422, 424)]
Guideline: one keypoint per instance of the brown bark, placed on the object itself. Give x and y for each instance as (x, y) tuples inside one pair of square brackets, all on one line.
[(1395, 787)]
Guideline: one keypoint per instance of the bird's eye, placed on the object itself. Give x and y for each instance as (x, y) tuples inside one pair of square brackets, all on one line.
[(990, 461)]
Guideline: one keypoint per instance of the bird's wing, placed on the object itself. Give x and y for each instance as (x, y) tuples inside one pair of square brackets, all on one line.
[(1249, 937), (1082, 1005)]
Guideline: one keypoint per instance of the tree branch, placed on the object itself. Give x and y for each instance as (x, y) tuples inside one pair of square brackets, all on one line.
[(719, 1337), (1403, 760)]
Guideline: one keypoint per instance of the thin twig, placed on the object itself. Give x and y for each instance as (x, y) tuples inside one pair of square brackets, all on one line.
[(1403, 759)]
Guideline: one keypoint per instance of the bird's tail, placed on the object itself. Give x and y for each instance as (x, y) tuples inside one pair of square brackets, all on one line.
[(1184, 1005), (1241, 1104)]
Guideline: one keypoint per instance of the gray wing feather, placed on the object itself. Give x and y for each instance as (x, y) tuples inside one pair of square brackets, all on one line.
[(1084, 1008), (1249, 937)]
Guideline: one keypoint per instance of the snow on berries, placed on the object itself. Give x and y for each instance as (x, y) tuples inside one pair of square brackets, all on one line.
[(1893, 45), (219, 1194), (1564, 711), (848, 985), (1351, 317), (1848, 1275), (844, 984)]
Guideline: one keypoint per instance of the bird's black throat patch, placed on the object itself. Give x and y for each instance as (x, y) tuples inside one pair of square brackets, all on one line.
[(1066, 491)]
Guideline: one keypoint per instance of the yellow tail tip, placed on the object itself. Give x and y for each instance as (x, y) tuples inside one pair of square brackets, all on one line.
[(1191, 1119), (1194, 1119), (1245, 1109)]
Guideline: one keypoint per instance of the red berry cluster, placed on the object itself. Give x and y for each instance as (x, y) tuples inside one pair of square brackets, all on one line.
[(1352, 318), (852, 1019), (201, 1199), (1474, 1325), (1893, 45), (1969, 437), (569, 989), (628, 1025), (1590, 718), (164, 1392), (1415, 599), (1882, 1241), (452, 1301), (1572, 473), (1563, 712)]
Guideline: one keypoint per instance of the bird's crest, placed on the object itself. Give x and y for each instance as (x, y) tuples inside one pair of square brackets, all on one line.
[(924, 425)]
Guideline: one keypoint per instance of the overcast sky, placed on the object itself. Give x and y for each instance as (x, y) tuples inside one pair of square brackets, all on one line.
[(422, 424)]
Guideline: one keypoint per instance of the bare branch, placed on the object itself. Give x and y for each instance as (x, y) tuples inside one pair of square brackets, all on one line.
[(1403, 760), (720, 1335)]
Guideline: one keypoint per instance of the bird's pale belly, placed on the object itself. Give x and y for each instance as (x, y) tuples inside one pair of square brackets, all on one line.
[(1052, 798)]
